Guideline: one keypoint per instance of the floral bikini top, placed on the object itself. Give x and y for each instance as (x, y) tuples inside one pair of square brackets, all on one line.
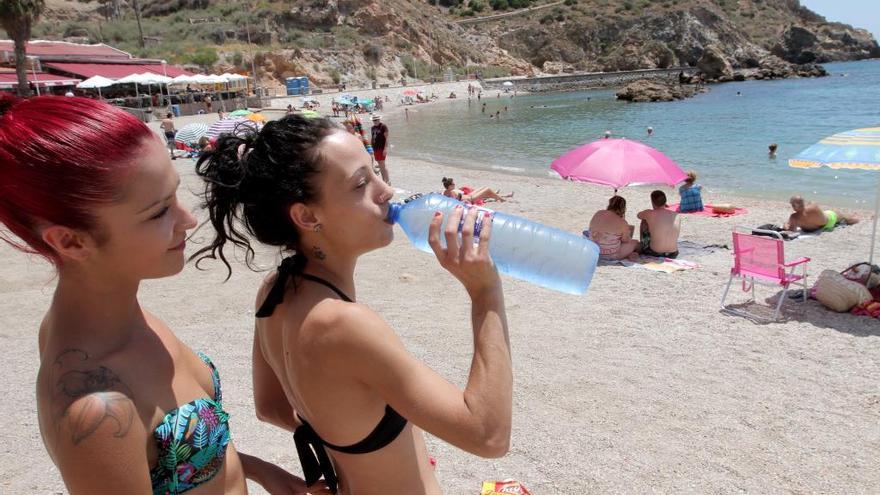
[(192, 442)]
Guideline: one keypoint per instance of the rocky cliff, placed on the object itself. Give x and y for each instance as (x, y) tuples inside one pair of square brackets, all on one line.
[(360, 41)]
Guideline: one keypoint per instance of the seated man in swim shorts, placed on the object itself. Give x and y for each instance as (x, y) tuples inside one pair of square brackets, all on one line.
[(658, 229), (809, 217)]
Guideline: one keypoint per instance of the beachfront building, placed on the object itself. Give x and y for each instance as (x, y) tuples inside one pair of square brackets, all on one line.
[(57, 67)]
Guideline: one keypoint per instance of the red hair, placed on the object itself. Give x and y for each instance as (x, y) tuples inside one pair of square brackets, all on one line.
[(60, 157)]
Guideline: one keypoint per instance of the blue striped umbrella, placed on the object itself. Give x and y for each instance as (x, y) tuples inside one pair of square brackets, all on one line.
[(238, 127), (857, 149), (191, 133)]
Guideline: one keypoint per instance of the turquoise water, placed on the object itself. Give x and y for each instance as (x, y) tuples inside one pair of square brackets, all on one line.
[(721, 135)]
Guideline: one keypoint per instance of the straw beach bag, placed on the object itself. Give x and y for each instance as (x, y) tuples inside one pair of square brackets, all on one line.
[(837, 293)]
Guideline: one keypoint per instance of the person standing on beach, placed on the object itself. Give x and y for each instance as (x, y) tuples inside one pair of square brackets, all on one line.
[(379, 142), (167, 127), (124, 406), (483, 110), (327, 367)]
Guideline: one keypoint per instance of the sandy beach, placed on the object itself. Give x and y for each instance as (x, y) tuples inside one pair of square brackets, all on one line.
[(639, 386)]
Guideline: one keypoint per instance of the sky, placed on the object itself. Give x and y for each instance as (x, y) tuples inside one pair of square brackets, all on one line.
[(860, 13)]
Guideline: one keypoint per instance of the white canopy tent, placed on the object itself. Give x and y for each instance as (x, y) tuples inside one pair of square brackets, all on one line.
[(183, 79), (133, 79), (96, 82)]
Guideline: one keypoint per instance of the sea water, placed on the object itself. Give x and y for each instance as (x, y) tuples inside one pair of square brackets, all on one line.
[(722, 134)]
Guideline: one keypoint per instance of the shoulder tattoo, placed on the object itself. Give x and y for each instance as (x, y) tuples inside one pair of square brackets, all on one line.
[(85, 396)]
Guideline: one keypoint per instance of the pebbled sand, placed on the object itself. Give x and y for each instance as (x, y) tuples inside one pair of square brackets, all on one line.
[(639, 386)]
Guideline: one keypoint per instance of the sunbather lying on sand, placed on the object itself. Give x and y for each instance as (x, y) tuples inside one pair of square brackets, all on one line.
[(471, 195), (810, 217)]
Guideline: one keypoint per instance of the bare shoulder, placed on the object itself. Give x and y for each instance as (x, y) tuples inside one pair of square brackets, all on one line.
[(85, 396), (90, 423), (335, 325)]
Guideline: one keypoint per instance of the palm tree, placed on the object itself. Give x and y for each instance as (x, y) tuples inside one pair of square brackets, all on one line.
[(17, 17)]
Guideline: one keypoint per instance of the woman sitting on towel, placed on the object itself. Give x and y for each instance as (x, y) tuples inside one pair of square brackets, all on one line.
[(691, 197), (609, 230), (468, 195)]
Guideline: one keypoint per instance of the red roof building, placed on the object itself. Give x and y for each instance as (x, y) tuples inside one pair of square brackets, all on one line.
[(41, 79), (72, 62), (113, 71), (63, 51)]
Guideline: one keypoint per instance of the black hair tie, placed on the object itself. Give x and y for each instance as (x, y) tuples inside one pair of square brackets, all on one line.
[(289, 266)]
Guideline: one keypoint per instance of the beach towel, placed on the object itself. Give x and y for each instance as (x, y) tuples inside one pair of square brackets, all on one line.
[(870, 308), (689, 249), (664, 265), (469, 190), (709, 211)]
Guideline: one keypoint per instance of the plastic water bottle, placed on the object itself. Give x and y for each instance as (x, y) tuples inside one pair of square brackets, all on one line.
[(523, 249)]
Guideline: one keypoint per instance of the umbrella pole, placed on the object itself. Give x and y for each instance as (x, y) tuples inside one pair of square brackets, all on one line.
[(874, 230)]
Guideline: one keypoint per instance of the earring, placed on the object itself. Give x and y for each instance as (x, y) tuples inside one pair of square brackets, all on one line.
[(317, 228)]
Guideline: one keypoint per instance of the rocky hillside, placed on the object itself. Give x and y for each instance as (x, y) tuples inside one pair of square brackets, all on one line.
[(359, 41)]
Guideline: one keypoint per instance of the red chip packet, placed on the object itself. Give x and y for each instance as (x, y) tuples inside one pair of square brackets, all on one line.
[(505, 487)]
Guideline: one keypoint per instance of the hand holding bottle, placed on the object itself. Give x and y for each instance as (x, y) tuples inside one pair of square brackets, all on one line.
[(467, 261), (524, 249)]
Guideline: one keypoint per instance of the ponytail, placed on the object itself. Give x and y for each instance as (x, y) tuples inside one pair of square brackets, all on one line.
[(251, 182)]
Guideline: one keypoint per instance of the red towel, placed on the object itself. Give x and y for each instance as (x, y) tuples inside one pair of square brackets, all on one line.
[(708, 211), (468, 190)]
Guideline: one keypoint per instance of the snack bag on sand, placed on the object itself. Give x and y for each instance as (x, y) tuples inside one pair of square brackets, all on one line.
[(504, 488)]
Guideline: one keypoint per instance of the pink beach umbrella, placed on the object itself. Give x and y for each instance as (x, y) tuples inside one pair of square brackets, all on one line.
[(618, 163)]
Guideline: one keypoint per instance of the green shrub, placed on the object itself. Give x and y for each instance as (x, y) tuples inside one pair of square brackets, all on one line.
[(467, 13), (477, 5), (237, 59), (205, 56), (499, 4)]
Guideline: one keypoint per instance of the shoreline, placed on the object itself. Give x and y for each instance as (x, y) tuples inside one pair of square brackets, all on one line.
[(393, 116)]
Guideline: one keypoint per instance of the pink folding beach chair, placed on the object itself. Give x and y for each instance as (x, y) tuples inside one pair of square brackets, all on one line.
[(760, 258)]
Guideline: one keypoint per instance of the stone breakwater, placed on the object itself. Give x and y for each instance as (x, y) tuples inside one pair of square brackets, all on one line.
[(646, 90), (574, 82)]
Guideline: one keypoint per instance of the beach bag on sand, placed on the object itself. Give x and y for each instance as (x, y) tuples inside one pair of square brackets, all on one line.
[(724, 208), (864, 273), (839, 294)]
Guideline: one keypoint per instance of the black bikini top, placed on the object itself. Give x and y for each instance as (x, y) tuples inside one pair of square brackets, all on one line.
[(309, 446)]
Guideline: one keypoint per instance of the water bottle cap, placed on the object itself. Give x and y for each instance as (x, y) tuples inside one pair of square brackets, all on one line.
[(394, 212)]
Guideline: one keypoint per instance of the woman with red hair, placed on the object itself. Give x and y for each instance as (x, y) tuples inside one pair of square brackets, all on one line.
[(92, 190)]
